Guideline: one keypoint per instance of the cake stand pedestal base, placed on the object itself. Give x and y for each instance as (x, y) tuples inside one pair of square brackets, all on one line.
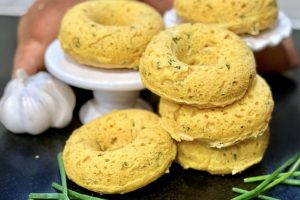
[(113, 89), (107, 101)]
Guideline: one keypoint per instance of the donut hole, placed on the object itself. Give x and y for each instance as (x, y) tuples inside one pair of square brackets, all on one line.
[(116, 133), (112, 140), (193, 49), (108, 15), (110, 21)]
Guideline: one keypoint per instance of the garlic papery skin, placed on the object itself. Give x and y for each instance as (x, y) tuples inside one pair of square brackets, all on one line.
[(32, 104)]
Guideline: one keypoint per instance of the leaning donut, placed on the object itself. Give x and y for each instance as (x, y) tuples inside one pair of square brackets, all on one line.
[(201, 65), (119, 152), (221, 127), (109, 33), (241, 16)]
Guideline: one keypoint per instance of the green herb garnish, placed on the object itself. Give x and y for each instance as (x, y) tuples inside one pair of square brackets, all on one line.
[(285, 176), (175, 39), (188, 35), (293, 182), (263, 177), (62, 176), (66, 193), (75, 194), (170, 61), (228, 66), (76, 42), (46, 196), (241, 191), (158, 65), (270, 182)]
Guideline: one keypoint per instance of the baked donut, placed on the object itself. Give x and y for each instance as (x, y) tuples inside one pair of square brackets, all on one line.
[(220, 127), (228, 160), (201, 65), (239, 16), (109, 33), (119, 152)]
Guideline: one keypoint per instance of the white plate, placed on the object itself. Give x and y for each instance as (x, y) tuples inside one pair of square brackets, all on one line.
[(67, 70), (268, 38)]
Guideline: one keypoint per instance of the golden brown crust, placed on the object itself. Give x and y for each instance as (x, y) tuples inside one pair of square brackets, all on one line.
[(201, 65), (119, 152), (241, 16), (94, 34)]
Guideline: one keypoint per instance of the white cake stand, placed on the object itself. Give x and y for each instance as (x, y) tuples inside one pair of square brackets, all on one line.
[(268, 38), (112, 89)]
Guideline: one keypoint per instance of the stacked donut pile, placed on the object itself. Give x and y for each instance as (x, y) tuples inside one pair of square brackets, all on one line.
[(212, 101)]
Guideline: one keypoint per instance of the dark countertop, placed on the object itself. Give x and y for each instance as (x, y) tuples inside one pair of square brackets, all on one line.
[(22, 173)]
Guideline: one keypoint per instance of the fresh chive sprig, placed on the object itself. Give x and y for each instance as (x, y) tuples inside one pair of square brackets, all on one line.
[(66, 193), (270, 180), (284, 177), (62, 176), (45, 196), (75, 194), (263, 177), (264, 197)]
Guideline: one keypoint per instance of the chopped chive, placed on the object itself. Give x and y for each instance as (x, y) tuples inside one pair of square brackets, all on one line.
[(175, 39), (76, 42), (228, 66), (241, 191), (45, 196), (62, 176), (188, 35), (256, 191), (75, 194), (263, 177)]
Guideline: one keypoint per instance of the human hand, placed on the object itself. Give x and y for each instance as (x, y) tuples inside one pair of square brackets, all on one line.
[(36, 29), (160, 5)]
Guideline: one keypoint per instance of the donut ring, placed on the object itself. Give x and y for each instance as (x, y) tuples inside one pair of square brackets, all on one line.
[(220, 127), (119, 152), (94, 34), (193, 64), (228, 160), (238, 16)]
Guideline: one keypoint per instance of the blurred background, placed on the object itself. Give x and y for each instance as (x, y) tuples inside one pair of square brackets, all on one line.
[(19, 7)]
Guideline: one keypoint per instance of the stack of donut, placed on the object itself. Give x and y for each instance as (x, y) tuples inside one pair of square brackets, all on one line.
[(212, 101)]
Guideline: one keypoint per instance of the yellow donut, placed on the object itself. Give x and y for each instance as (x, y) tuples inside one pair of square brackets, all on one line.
[(119, 152), (242, 16), (201, 65), (228, 160), (220, 127), (109, 33)]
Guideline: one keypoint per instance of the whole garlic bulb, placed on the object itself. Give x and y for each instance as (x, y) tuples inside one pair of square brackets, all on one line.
[(34, 103)]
